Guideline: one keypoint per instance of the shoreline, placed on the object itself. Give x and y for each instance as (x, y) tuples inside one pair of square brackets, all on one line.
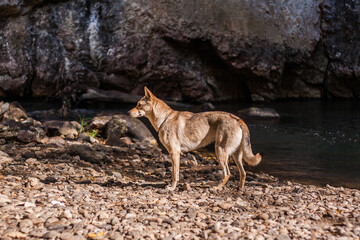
[(59, 181)]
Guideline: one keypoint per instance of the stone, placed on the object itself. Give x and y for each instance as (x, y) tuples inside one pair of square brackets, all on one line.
[(263, 216), (34, 182), (61, 128), (25, 225), (87, 153), (201, 215), (12, 111), (16, 235), (226, 205), (66, 236), (98, 122), (124, 126), (4, 158), (4, 200), (117, 175), (66, 214), (102, 215), (31, 161), (283, 237), (51, 235)]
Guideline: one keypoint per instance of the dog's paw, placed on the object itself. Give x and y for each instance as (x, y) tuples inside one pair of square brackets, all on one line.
[(170, 188), (240, 186), (215, 189)]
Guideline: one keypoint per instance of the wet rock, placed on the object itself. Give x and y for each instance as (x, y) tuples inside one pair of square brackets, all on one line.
[(125, 126), (254, 112)]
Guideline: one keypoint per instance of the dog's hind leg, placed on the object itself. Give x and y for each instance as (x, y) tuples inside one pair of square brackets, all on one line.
[(239, 163), (222, 157)]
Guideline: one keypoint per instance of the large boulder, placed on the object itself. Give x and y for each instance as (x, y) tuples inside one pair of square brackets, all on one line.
[(184, 51), (122, 125)]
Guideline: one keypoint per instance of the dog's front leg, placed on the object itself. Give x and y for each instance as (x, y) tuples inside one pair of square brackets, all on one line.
[(175, 160)]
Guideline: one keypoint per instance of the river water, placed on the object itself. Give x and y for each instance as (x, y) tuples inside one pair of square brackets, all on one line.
[(313, 142)]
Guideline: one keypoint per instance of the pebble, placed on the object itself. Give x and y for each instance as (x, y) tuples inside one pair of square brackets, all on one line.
[(66, 214), (226, 206), (51, 235), (25, 225), (263, 216), (201, 215), (66, 236), (118, 176), (31, 161), (130, 215), (34, 182), (283, 237), (17, 235), (102, 215)]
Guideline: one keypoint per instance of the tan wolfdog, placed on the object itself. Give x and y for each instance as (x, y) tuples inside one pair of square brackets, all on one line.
[(186, 131)]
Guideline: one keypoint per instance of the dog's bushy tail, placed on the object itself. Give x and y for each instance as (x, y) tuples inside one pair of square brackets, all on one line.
[(249, 157)]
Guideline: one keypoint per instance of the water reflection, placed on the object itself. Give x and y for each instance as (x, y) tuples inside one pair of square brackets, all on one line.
[(314, 142)]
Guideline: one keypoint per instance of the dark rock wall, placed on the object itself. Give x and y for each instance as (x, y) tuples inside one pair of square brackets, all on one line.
[(182, 50)]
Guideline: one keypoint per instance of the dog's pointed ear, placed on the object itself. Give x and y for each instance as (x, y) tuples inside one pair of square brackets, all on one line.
[(148, 94)]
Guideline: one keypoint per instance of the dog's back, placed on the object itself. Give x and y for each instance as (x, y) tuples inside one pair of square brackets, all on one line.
[(196, 130)]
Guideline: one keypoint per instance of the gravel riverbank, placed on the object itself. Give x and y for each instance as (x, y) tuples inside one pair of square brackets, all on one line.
[(50, 194), (58, 183)]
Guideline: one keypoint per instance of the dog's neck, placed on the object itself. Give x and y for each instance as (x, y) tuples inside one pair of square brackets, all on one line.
[(160, 113)]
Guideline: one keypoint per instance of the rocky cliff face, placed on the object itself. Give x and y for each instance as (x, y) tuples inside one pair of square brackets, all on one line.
[(184, 51)]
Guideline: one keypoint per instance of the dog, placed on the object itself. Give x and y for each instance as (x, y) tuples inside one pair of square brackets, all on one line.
[(181, 131)]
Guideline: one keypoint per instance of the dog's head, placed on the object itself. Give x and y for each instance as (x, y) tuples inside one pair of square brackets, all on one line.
[(144, 106)]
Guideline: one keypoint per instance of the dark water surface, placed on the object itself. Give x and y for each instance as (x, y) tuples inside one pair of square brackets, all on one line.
[(313, 142)]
